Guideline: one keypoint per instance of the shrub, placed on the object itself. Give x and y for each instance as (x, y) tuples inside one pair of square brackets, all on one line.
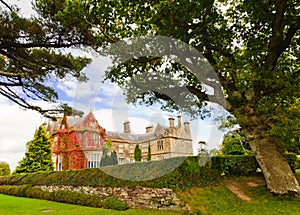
[(237, 165), (183, 173), (291, 158), (112, 202)]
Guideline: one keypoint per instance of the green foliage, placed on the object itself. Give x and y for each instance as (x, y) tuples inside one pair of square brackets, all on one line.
[(68, 197), (234, 143), (149, 153), (109, 158), (287, 127), (31, 58), (292, 160), (236, 165), (38, 158), (186, 173), (137, 153), (112, 202), (4, 168)]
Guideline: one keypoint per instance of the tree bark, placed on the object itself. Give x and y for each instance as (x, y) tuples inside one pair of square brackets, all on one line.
[(279, 177)]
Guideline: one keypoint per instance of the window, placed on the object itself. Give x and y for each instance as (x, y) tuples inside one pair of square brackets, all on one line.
[(96, 138), (160, 145), (160, 158), (120, 148), (121, 160), (131, 147), (93, 160), (59, 163), (144, 148)]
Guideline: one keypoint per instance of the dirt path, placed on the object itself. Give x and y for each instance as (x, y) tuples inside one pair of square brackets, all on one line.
[(239, 190)]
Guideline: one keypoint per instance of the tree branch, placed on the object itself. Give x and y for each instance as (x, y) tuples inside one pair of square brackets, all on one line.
[(6, 5)]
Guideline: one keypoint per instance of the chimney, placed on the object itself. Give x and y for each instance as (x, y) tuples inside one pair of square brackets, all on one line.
[(179, 121), (127, 127), (187, 127), (149, 128), (171, 120)]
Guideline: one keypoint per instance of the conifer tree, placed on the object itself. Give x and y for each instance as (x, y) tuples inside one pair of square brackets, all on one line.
[(149, 153), (4, 168), (38, 157), (137, 153)]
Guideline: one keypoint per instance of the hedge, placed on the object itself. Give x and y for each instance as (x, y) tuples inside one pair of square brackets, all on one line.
[(68, 197), (190, 173)]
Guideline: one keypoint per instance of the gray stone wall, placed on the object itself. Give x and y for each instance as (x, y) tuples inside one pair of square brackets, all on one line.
[(140, 197)]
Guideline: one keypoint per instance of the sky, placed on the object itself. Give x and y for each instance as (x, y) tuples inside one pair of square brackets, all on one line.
[(17, 126)]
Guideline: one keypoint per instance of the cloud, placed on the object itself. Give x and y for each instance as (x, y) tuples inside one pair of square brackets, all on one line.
[(17, 127)]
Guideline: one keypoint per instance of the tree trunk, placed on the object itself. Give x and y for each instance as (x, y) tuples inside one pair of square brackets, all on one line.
[(278, 175)]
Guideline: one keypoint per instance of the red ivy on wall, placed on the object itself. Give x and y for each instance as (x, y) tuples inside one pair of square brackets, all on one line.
[(73, 143)]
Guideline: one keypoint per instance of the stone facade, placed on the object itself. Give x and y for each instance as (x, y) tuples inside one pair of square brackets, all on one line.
[(140, 197), (77, 143), (164, 142)]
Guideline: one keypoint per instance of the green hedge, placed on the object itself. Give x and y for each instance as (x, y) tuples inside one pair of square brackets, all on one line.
[(190, 173), (69, 197), (292, 160), (236, 165)]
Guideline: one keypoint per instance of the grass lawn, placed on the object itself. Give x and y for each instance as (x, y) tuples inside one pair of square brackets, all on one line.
[(25, 206), (240, 196)]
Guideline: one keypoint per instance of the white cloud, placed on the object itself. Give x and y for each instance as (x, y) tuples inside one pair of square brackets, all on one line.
[(17, 127)]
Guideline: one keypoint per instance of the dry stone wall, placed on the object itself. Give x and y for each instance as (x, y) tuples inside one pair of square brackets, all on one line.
[(140, 197)]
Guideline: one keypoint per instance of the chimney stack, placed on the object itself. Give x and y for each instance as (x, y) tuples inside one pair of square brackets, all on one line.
[(149, 128), (179, 121), (171, 120), (187, 127), (127, 127)]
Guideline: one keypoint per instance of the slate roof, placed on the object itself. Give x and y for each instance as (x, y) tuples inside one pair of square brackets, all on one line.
[(158, 132)]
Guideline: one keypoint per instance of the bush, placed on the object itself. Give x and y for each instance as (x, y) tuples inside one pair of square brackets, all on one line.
[(186, 173), (236, 165), (112, 202), (291, 158), (62, 196)]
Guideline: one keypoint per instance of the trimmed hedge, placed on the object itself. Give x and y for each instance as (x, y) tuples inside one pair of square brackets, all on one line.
[(190, 173), (64, 197), (236, 165)]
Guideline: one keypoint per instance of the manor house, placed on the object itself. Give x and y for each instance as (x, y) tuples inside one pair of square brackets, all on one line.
[(78, 142)]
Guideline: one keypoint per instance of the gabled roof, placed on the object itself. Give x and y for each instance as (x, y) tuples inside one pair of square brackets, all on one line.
[(75, 122), (155, 133)]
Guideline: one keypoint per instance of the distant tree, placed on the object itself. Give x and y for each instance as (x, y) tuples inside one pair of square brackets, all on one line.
[(114, 158), (234, 143), (149, 153), (137, 153), (4, 168), (109, 155), (38, 157)]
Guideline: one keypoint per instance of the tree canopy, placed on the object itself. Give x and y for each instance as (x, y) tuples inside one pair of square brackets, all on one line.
[(253, 47), (34, 52), (4, 168), (39, 155)]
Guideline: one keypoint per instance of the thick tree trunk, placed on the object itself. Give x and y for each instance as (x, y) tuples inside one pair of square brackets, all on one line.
[(278, 175)]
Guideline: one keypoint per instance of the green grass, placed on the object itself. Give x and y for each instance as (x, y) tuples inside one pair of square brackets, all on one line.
[(220, 200), (25, 206)]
